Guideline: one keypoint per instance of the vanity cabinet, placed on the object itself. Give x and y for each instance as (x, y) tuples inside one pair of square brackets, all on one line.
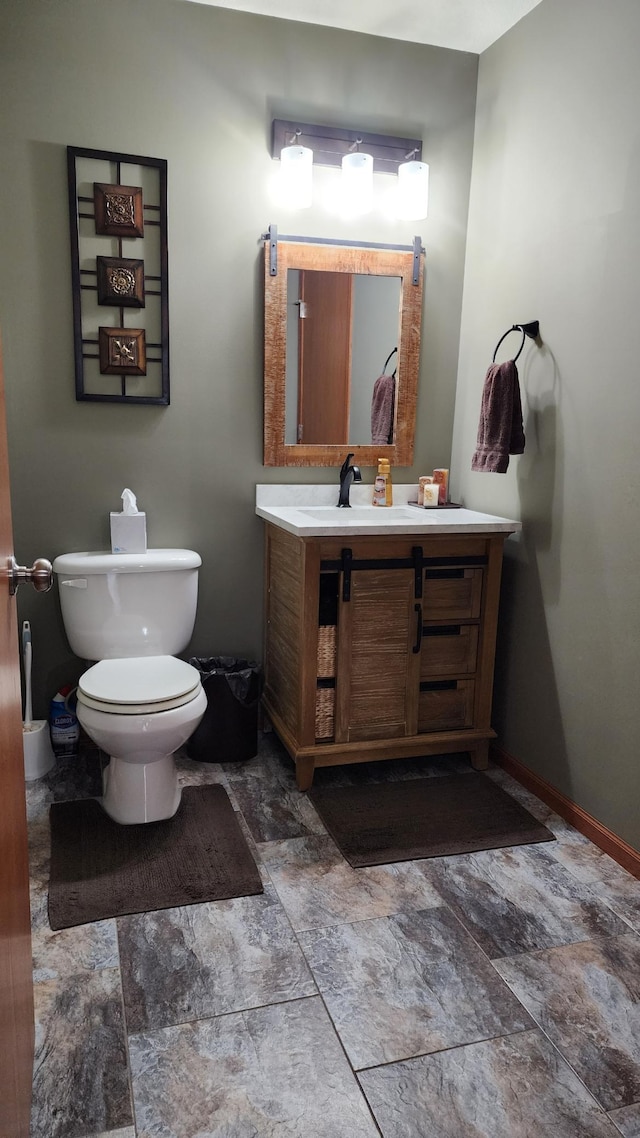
[(380, 647)]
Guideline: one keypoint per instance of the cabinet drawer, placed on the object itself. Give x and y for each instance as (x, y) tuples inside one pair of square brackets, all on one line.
[(448, 650), (452, 594), (445, 705)]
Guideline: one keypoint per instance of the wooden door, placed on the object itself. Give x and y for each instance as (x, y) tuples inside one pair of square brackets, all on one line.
[(16, 991), (324, 363), (378, 671)]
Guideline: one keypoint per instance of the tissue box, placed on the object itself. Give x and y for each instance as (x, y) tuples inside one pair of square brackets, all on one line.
[(128, 533)]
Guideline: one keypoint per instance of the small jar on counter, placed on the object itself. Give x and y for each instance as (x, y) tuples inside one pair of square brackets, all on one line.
[(441, 476)]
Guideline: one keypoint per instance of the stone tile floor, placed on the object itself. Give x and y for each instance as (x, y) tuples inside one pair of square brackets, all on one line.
[(486, 995)]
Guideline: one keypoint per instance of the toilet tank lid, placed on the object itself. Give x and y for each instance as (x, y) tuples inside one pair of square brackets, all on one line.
[(101, 561)]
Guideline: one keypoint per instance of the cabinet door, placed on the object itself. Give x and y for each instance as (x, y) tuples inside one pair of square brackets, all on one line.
[(378, 672)]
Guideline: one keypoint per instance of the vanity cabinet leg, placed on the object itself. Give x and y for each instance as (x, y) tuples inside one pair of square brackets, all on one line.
[(480, 756), (304, 772)]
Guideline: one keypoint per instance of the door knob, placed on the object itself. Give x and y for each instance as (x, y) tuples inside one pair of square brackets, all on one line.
[(40, 574)]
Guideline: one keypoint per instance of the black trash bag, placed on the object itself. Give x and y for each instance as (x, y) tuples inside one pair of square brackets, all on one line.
[(228, 730)]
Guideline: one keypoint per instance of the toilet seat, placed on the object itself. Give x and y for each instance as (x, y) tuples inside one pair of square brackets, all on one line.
[(138, 685)]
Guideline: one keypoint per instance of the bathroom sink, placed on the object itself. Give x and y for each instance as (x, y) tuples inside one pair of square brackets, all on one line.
[(370, 515)]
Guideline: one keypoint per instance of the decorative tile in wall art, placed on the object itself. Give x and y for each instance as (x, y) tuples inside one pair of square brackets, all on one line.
[(120, 281), (122, 351), (118, 210), (119, 272)]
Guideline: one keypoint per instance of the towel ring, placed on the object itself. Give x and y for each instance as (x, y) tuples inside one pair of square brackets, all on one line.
[(531, 330), (391, 353)]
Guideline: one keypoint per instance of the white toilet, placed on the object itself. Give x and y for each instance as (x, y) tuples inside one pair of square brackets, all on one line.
[(131, 612)]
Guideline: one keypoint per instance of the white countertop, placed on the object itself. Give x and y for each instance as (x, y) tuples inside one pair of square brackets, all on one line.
[(311, 511)]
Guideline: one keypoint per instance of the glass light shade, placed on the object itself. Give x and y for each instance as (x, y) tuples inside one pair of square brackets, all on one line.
[(296, 174), (413, 190), (356, 188)]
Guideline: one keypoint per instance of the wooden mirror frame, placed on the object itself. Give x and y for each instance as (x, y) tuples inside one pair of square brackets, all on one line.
[(340, 259)]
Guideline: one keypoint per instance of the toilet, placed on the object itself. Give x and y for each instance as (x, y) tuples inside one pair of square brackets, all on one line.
[(131, 612)]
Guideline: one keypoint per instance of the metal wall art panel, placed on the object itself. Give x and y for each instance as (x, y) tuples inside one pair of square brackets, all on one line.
[(119, 273)]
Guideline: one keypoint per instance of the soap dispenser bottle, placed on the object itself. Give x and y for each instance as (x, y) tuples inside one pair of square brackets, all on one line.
[(382, 488)]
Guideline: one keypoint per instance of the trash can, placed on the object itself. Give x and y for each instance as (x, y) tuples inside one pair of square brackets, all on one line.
[(228, 730)]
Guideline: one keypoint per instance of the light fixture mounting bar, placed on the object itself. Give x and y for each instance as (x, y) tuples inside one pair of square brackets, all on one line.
[(331, 143)]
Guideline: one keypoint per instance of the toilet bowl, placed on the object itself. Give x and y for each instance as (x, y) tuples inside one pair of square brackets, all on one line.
[(140, 711), (138, 702)]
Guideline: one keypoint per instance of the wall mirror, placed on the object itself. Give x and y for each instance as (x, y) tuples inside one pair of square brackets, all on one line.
[(342, 347)]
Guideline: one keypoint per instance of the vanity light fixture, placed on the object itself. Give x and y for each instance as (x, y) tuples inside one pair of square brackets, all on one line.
[(296, 172), (413, 190), (359, 155), (356, 183)]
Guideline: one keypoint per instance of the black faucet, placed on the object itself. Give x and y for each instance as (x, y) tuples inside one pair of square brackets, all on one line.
[(348, 474)]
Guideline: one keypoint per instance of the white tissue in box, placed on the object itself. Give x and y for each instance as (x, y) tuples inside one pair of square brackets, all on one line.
[(128, 533)]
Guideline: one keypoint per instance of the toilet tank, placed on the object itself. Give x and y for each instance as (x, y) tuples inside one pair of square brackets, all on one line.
[(128, 604)]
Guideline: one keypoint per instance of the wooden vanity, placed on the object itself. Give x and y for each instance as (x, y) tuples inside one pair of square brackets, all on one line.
[(381, 646)]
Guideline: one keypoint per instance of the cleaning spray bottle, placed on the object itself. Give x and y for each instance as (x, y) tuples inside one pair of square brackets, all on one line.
[(63, 724), (382, 488)]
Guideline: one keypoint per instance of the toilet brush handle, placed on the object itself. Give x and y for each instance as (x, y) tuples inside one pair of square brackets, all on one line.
[(27, 654)]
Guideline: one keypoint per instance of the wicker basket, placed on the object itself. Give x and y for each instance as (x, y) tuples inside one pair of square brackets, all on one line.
[(326, 651), (325, 702)]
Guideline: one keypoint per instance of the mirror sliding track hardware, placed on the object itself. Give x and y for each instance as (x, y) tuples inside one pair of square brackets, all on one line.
[(417, 250), (272, 237)]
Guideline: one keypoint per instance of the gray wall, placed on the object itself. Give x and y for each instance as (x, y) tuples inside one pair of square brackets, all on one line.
[(554, 235), (198, 86)]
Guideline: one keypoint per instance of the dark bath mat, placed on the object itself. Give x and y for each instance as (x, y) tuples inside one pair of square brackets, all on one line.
[(427, 817), (100, 869)]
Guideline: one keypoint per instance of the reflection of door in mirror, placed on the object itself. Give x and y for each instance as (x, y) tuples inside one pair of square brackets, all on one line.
[(324, 357), (341, 327)]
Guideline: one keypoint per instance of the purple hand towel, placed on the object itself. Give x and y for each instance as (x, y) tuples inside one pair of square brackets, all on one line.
[(384, 392), (500, 431)]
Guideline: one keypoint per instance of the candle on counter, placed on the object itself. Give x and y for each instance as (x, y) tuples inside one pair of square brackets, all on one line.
[(441, 477), (431, 495)]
